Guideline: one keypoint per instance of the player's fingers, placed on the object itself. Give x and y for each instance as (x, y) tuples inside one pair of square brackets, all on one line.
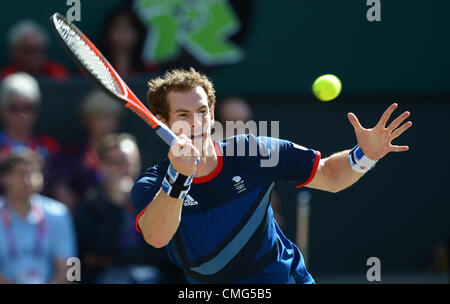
[(185, 149), (177, 148), (399, 148), (190, 151), (184, 138), (195, 153), (385, 117), (182, 143), (397, 121), (400, 130), (354, 121), (193, 156)]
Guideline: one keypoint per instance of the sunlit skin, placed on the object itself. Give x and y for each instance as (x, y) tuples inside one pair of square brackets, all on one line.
[(377, 141), (190, 108), (162, 217), (335, 173)]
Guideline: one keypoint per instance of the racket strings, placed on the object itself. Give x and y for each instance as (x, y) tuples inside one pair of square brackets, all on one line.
[(87, 57)]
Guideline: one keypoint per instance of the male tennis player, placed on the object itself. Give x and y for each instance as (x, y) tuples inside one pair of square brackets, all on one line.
[(215, 216)]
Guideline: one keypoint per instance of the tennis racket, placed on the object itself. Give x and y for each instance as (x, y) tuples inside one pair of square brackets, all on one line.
[(95, 66)]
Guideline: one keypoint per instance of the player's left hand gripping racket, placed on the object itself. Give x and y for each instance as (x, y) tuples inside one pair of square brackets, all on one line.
[(98, 69)]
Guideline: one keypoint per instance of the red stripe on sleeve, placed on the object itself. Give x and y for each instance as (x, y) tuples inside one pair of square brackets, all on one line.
[(138, 217), (313, 172)]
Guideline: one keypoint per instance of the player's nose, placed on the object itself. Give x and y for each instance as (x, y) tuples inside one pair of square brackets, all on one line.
[(196, 123)]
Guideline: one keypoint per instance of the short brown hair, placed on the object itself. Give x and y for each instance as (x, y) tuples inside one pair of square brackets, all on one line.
[(177, 80)]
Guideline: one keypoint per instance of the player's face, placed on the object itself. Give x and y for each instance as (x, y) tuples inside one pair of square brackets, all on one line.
[(190, 114)]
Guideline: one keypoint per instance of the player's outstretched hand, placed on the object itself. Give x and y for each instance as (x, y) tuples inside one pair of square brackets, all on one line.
[(183, 156), (377, 142)]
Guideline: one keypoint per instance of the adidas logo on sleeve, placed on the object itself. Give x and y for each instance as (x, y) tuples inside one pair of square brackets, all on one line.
[(189, 201)]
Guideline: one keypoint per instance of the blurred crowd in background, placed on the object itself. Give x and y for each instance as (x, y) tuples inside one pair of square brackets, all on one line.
[(59, 201), (121, 41), (67, 201)]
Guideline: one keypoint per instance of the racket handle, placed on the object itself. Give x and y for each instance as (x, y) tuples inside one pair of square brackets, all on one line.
[(166, 134), (169, 137)]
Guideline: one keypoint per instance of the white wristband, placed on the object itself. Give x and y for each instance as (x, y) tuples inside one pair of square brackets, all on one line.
[(359, 161)]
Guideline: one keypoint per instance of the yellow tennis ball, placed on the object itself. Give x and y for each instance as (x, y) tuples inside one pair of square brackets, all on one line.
[(327, 87)]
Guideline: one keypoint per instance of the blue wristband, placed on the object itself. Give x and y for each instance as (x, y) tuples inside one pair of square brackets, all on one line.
[(359, 161), (176, 185)]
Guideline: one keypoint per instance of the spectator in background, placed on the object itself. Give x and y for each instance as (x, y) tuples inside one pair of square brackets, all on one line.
[(19, 108), (36, 232), (121, 42), (78, 167), (28, 52), (234, 108), (111, 249)]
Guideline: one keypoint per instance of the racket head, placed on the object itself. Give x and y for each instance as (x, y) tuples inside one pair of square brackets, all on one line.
[(97, 68), (94, 65)]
